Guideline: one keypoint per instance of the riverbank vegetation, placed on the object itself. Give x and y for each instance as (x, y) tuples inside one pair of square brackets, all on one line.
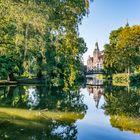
[(40, 38), (120, 79), (122, 104), (122, 54)]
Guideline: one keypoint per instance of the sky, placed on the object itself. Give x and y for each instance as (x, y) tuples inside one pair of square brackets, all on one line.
[(105, 16)]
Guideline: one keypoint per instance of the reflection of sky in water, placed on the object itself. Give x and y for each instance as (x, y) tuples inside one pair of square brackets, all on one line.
[(96, 125), (61, 130), (33, 97)]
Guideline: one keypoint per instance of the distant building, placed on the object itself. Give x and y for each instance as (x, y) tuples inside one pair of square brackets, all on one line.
[(95, 62)]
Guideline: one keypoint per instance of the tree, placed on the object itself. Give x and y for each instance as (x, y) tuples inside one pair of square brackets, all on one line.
[(128, 45), (122, 53), (8, 67), (111, 52), (44, 37)]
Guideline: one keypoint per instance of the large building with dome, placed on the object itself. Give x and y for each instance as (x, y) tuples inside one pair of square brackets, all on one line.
[(95, 62)]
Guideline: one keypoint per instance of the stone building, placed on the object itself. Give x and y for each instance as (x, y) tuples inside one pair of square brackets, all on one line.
[(95, 62)]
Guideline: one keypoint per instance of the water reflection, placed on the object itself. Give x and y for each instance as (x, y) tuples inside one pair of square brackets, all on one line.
[(96, 92), (37, 113), (33, 97), (95, 79), (123, 106), (33, 112)]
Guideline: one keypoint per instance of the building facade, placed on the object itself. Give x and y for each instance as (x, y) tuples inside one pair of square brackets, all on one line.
[(95, 62)]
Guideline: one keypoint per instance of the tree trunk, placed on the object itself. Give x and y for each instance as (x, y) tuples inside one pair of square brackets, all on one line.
[(26, 39), (39, 74), (128, 71), (11, 77)]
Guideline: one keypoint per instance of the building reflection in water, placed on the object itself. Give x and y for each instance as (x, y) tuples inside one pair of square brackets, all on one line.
[(94, 81), (97, 92)]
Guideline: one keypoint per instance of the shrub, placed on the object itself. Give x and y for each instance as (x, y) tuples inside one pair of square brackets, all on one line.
[(120, 79), (135, 79)]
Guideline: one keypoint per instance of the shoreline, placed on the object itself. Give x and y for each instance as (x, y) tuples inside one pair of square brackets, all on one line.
[(6, 82), (21, 81)]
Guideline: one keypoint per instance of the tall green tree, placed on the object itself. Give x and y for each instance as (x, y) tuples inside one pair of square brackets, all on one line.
[(122, 53), (128, 44), (111, 52), (42, 36)]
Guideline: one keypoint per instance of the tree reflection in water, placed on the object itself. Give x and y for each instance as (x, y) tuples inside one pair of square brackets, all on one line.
[(34, 112), (123, 106)]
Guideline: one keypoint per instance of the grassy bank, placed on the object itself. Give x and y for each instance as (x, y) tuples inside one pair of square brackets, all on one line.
[(126, 123), (22, 80), (24, 117), (123, 79), (6, 82)]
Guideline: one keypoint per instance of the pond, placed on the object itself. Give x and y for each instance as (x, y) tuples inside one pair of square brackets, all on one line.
[(32, 112)]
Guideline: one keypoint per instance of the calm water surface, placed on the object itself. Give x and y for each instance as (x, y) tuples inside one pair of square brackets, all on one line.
[(91, 113)]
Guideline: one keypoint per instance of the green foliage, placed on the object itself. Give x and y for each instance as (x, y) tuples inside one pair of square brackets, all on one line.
[(36, 109), (122, 101), (100, 76), (7, 66), (123, 53), (135, 79), (122, 104), (43, 36), (111, 52), (126, 123), (121, 79)]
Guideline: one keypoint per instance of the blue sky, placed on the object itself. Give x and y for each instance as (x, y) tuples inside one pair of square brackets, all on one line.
[(105, 16)]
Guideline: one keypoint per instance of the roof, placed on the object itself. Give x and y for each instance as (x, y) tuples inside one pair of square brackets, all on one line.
[(101, 56)]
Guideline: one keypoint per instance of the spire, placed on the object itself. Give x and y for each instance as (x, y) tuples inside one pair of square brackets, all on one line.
[(96, 46), (127, 24), (96, 50)]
